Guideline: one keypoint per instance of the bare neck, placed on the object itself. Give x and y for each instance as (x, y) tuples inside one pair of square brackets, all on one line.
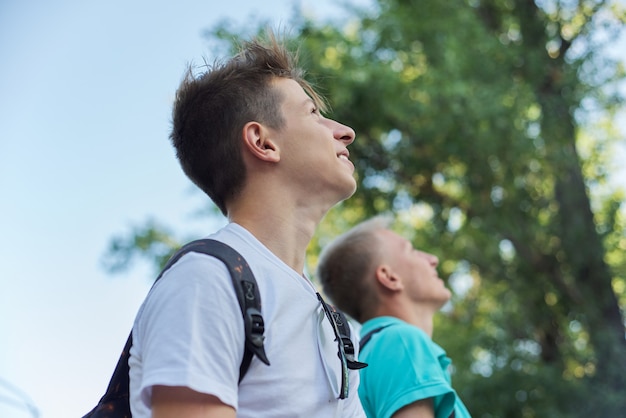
[(419, 316), (282, 225)]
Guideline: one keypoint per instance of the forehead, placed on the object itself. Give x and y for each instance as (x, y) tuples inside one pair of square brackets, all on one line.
[(291, 92), (390, 234), (391, 238)]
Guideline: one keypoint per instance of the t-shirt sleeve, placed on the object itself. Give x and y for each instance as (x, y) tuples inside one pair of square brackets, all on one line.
[(404, 368), (190, 331)]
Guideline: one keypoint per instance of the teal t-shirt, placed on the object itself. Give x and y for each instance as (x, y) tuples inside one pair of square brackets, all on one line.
[(404, 366)]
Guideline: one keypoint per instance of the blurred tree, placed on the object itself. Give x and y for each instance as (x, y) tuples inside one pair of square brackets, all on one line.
[(479, 124), (468, 116)]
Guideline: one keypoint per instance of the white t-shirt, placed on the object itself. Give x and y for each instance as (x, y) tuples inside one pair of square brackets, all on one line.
[(189, 332)]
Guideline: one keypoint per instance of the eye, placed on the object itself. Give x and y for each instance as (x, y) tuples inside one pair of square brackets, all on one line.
[(315, 110)]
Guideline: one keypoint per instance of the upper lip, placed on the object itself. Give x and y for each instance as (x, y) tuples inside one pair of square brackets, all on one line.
[(344, 152)]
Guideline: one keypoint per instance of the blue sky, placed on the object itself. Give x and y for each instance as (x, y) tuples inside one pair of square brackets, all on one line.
[(85, 100)]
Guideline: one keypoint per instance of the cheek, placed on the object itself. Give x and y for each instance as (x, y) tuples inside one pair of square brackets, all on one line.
[(423, 269)]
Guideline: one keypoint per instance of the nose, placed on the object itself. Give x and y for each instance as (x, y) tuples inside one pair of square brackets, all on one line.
[(432, 259), (343, 133)]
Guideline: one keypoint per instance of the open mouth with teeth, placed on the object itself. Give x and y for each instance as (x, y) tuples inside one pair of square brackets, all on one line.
[(344, 155)]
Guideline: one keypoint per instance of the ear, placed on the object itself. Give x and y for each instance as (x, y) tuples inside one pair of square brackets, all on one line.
[(257, 139), (386, 277)]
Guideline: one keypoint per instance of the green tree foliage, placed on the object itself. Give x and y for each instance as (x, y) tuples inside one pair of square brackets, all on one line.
[(480, 126), (467, 117)]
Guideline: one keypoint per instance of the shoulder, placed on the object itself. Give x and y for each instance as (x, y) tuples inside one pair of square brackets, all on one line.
[(185, 287), (397, 341), (394, 330), (202, 264), (193, 270), (249, 247), (408, 334)]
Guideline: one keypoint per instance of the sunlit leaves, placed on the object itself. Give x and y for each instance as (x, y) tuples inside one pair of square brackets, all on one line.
[(483, 126)]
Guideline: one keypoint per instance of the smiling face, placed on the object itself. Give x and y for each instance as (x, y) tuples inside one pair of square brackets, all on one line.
[(416, 269), (314, 150)]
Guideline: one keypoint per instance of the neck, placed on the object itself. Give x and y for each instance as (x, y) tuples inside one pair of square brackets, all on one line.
[(280, 211), (285, 230), (417, 315)]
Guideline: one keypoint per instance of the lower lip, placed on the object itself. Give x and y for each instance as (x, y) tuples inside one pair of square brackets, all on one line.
[(348, 162)]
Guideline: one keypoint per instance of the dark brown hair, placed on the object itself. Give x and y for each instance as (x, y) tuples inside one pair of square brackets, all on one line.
[(211, 109)]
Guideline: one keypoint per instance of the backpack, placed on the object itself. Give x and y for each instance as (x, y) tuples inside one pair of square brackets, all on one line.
[(115, 402), (367, 337)]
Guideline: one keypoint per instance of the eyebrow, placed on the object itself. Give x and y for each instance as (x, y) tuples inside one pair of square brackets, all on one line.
[(308, 100)]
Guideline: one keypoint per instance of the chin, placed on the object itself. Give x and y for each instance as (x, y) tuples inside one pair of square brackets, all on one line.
[(345, 188), (349, 194), (353, 188)]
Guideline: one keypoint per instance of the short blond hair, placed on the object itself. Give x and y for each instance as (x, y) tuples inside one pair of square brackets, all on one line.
[(346, 265)]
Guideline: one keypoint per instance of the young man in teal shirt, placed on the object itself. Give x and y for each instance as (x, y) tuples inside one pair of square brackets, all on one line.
[(378, 278)]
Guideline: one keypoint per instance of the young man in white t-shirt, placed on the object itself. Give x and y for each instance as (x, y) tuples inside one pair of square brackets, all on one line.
[(249, 132)]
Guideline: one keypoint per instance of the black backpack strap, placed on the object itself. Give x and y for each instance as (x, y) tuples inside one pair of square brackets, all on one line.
[(344, 333), (369, 335), (247, 293), (115, 402)]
